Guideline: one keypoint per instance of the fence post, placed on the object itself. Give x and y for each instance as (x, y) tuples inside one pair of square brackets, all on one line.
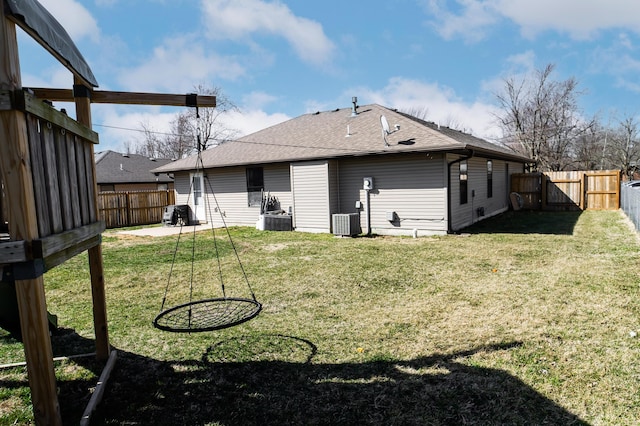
[(543, 191), (128, 207), (584, 182)]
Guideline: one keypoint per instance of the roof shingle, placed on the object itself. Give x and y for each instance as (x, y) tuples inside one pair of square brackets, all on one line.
[(114, 167)]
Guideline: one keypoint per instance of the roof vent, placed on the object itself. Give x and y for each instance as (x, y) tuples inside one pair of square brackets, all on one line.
[(354, 108)]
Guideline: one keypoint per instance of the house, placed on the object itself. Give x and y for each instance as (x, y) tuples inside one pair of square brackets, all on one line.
[(130, 172), (397, 174)]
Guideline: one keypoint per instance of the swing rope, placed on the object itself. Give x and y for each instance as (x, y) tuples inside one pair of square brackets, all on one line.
[(207, 314)]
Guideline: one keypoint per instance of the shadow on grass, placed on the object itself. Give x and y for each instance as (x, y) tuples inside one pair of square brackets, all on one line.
[(74, 394), (272, 380), (527, 222)]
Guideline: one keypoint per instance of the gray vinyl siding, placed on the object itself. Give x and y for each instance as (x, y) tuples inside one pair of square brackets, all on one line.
[(463, 215), (467, 214), (277, 182), (181, 186), (229, 187), (411, 185), (311, 198), (334, 187)]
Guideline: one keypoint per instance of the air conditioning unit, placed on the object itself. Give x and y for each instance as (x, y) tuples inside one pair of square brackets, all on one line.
[(346, 224)]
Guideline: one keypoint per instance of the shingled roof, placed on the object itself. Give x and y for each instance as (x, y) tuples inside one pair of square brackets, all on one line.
[(114, 167), (339, 133)]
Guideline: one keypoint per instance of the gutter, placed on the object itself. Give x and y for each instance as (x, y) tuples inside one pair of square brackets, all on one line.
[(466, 157)]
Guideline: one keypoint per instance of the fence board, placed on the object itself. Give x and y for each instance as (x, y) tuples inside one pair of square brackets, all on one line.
[(529, 186), (73, 179), (572, 190), (603, 190), (563, 190), (82, 180), (51, 175), (37, 172), (64, 178), (130, 208)]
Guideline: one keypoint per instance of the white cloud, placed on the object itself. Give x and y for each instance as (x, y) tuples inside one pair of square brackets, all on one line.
[(443, 105), (257, 100), (580, 19), (57, 76), (251, 120), (619, 61), (470, 24), (121, 125), (522, 61), (74, 17), (238, 19), (177, 65)]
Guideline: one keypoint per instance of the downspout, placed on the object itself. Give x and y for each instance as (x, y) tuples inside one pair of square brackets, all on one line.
[(469, 155)]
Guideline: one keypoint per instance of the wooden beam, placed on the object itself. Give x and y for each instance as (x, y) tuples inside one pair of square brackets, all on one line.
[(55, 243), (13, 252), (96, 267), (16, 174), (32, 104), (124, 98), (60, 257)]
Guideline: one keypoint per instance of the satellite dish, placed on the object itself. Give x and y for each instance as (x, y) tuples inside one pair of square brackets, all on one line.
[(385, 129), (385, 124)]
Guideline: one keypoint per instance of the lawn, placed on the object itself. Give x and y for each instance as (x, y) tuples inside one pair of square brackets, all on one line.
[(527, 318)]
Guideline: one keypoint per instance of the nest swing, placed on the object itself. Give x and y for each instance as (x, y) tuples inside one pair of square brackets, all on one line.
[(206, 314)]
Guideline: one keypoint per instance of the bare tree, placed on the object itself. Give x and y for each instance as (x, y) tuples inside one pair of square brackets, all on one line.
[(150, 146), (588, 149), (208, 125), (540, 118), (191, 129), (422, 113), (623, 148)]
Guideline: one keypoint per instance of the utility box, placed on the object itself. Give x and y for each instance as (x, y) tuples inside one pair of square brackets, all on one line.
[(277, 222), (346, 224)]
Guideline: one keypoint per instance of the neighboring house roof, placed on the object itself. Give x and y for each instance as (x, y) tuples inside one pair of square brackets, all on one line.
[(324, 135), (114, 167)]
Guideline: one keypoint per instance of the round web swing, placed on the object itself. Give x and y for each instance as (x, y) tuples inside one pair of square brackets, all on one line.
[(206, 314)]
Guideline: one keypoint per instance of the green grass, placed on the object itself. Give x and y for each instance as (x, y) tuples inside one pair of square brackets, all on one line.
[(527, 318)]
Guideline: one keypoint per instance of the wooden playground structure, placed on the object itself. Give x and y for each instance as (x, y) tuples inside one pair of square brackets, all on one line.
[(49, 199)]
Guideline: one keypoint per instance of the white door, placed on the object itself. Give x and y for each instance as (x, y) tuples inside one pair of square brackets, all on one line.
[(197, 198)]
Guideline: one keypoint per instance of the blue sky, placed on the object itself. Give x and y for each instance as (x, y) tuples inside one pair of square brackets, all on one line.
[(280, 59)]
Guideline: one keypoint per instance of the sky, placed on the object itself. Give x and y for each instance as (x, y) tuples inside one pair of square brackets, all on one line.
[(277, 60)]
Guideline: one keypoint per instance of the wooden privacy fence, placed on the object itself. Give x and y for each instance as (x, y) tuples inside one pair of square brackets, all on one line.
[(129, 208), (572, 190)]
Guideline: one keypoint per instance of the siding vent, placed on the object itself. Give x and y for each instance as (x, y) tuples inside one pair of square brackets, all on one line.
[(346, 224)]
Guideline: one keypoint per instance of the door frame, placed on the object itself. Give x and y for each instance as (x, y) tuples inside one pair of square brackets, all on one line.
[(197, 202)]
